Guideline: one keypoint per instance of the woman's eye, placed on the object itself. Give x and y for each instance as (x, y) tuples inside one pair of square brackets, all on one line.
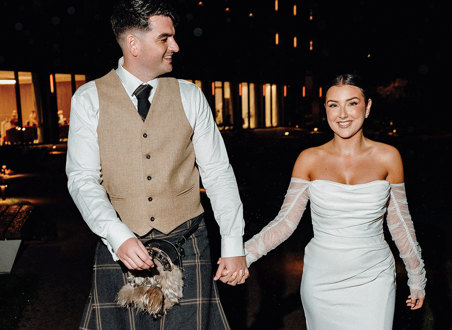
[(353, 103), (332, 106)]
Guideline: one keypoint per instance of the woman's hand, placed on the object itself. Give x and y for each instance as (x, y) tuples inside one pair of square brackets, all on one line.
[(415, 303)]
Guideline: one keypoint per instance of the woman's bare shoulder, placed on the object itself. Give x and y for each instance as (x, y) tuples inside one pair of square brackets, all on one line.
[(389, 156), (306, 161)]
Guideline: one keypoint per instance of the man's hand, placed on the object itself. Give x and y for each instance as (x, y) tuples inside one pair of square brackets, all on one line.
[(232, 270), (134, 255)]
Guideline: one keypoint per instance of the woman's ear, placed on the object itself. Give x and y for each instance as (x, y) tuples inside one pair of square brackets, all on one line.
[(368, 106)]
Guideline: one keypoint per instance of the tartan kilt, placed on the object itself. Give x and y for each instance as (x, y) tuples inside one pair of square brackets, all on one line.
[(200, 307)]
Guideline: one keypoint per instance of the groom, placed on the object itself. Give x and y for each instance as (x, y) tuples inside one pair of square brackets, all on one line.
[(137, 146)]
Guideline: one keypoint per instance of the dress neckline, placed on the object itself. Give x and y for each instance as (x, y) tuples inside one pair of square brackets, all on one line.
[(342, 184)]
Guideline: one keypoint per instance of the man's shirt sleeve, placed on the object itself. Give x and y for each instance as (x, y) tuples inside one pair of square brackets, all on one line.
[(217, 176), (83, 171)]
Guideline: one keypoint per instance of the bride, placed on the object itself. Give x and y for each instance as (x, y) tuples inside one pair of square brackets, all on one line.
[(353, 183)]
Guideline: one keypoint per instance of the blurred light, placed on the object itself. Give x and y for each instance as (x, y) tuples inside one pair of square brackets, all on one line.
[(368, 55), (391, 123), (295, 42), (263, 89), (303, 93), (250, 15), (295, 10), (310, 15), (54, 147), (200, 3), (310, 45), (285, 90), (52, 85), (7, 82), (277, 39), (316, 129), (213, 88), (227, 9), (296, 126), (276, 5), (286, 133), (320, 92), (394, 131), (240, 89)]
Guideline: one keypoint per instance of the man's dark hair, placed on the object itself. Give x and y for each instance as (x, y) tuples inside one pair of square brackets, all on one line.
[(134, 14)]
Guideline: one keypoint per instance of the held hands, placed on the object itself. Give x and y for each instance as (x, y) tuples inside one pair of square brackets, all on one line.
[(134, 255), (415, 303), (232, 270)]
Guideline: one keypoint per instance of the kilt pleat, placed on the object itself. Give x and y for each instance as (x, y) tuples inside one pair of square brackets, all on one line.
[(200, 308)]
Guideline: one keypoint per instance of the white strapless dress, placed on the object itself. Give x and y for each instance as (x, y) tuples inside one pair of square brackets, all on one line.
[(348, 277)]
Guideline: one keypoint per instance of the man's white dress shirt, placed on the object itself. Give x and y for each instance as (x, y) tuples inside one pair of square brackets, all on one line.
[(83, 165)]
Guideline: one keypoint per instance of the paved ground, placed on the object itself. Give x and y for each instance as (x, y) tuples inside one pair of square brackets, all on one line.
[(51, 277)]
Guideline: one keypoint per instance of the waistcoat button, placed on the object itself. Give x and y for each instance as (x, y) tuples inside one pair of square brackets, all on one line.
[(152, 218), (148, 156), (145, 135), (150, 199), (149, 177)]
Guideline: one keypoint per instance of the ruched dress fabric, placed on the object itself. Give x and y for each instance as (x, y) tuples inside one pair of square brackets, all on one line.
[(348, 279)]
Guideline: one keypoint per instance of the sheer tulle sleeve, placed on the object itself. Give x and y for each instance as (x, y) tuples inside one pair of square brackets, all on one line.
[(285, 223), (402, 231)]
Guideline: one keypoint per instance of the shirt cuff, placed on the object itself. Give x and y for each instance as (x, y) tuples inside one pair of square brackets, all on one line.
[(232, 246), (118, 233)]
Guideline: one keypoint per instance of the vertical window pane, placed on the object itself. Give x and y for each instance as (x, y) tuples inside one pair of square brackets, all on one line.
[(30, 116), (8, 107), (228, 115), (80, 79), (219, 103), (198, 83), (252, 93), (274, 106), (268, 105), (64, 94), (245, 98)]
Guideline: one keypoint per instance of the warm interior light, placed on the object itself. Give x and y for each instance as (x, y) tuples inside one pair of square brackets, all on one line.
[(320, 92), (304, 91), (285, 90), (286, 133), (7, 82), (310, 45), (213, 88), (295, 10), (277, 39), (316, 129), (251, 14), (240, 89), (200, 3), (295, 42), (310, 15), (276, 5), (264, 86), (227, 9), (52, 85)]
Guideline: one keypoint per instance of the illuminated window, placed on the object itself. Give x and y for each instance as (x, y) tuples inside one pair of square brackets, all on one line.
[(8, 106), (276, 5), (30, 115), (271, 105), (311, 47), (247, 91), (295, 10), (198, 83), (218, 93), (277, 39), (64, 94), (295, 42), (223, 105), (80, 79)]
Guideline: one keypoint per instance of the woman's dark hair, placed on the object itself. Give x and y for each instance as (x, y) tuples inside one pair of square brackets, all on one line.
[(351, 79), (134, 14)]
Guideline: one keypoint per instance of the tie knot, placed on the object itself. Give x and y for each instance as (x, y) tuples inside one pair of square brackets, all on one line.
[(142, 91)]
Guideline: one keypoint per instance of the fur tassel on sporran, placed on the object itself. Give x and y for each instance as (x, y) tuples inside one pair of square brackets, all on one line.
[(153, 291)]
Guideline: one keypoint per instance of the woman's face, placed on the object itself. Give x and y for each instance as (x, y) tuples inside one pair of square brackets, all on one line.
[(346, 109)]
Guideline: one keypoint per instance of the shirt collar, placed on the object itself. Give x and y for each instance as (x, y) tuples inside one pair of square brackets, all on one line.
[(129, 81)]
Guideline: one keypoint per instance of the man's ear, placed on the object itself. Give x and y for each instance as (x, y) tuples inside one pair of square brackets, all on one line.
[(132, 44)]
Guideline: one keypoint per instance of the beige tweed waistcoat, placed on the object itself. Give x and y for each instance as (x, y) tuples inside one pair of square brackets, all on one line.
[(147, 168)]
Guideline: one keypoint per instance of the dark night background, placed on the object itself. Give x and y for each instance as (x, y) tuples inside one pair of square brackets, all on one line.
[(403, 50), (384, 40)]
